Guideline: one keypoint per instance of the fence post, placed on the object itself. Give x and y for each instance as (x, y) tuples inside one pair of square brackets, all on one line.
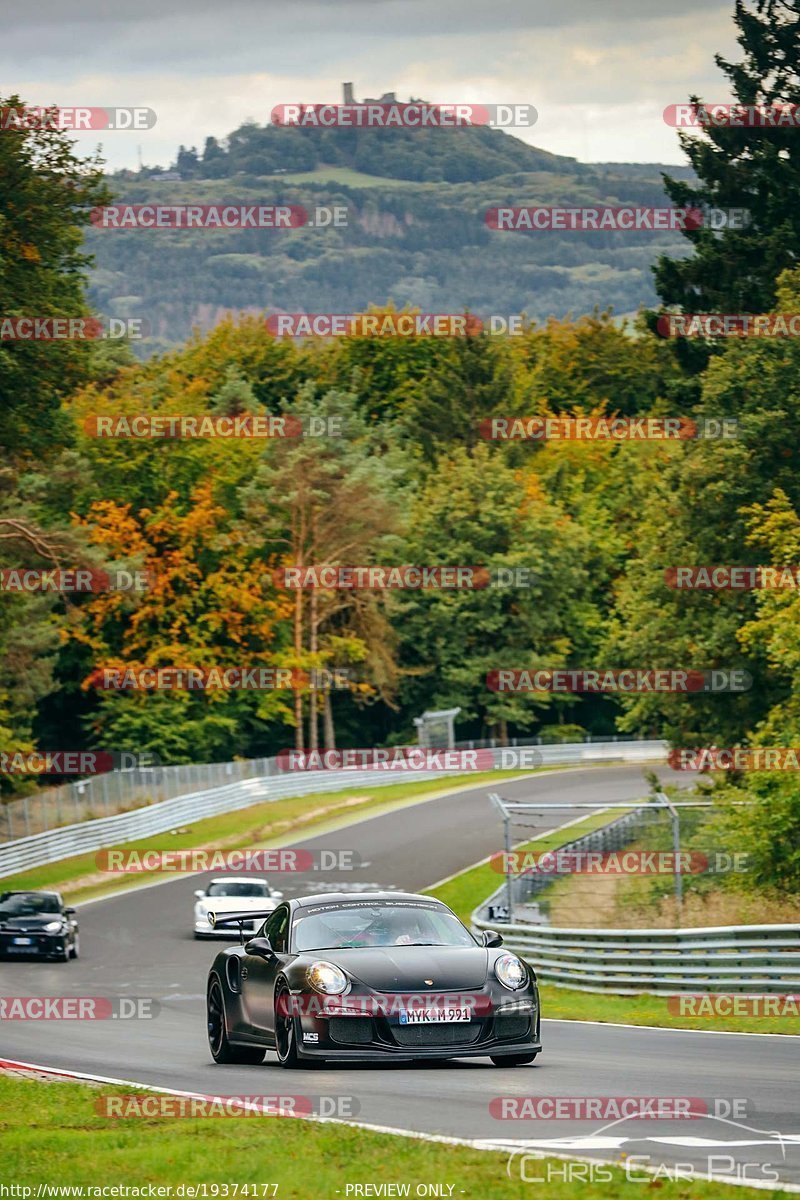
[(676, 849), (509, 881)]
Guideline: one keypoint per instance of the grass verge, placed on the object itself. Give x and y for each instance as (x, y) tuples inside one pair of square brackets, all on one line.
[(53, 1135), (259, 825), (464, 892)]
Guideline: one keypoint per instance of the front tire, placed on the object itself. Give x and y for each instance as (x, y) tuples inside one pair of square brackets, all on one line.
[(221, 1049), (76, 946), (286, 1032), (513, 1060)]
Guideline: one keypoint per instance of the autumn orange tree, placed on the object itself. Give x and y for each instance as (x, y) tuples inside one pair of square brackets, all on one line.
[(204, 607)]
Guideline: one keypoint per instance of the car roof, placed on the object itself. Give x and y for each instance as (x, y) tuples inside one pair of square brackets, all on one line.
[(359, 898), (238, 879), (30, 892)]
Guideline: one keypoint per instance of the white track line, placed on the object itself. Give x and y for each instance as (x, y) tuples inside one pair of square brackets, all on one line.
[(666, 1028), (480, 1144)]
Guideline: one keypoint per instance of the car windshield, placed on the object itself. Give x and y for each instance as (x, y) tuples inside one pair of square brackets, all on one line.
[(28, 904), (355, 925), (240, 890)]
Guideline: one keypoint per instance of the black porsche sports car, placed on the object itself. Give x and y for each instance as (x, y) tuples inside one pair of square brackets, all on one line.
[(37, 923), (383, 975)]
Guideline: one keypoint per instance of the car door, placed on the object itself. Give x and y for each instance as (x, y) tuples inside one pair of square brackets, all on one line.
[(259, 974)]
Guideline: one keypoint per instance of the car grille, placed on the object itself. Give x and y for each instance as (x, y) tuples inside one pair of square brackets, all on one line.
[(457, 1034), (353, 1031), (511, 1025)]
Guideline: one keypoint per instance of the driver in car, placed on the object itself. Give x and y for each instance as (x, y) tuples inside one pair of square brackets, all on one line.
[(386, 929)]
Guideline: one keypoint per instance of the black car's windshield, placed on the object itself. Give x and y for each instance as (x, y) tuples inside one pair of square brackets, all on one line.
[(354, 925), (28, 904), (238, 889)]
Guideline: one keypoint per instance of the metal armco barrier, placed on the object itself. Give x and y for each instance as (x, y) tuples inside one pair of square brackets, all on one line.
[(88, 836), (720, 959), (728, 958)]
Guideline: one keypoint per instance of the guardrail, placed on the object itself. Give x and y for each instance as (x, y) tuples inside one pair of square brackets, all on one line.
[(140, 784), (726, 958), (88, 836)]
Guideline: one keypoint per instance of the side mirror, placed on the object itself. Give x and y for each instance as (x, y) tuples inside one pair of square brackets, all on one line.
[(261, 947), (69, 912), (492, 938), (199, 893)]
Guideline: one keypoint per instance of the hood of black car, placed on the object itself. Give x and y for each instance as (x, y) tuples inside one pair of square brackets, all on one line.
[(35, 921), (408, 968)]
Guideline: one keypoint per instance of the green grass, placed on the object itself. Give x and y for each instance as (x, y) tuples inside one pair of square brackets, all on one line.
[(649, 1010), (467, 890), (344, 175), (270, 823), (52, 1134)]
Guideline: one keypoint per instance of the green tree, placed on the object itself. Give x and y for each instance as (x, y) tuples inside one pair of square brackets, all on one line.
[(757, 169), (473, 510), (46, 194)]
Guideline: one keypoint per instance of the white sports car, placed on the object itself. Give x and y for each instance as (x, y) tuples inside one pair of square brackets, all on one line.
[(233, 893)]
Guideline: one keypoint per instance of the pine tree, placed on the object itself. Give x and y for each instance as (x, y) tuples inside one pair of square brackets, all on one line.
[(757, 168)]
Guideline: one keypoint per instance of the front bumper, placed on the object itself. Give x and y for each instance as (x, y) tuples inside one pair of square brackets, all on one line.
[(32, 944), (249, 928), (506, 1028)]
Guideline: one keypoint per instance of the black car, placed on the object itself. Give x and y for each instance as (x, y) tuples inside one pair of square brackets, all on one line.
[(37, 923), (378, 976)]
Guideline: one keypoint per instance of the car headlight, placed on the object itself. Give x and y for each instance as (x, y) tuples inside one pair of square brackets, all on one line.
[(325, 977), (54, 926), (511, 971)]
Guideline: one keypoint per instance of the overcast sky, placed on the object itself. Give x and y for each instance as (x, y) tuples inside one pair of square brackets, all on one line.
[(600, 72)]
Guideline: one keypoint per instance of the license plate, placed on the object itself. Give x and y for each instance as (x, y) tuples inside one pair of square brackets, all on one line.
[(434, 1016), (23, 941)]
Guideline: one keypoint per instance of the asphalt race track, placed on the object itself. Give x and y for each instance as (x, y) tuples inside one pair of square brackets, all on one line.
[(140, 945)]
